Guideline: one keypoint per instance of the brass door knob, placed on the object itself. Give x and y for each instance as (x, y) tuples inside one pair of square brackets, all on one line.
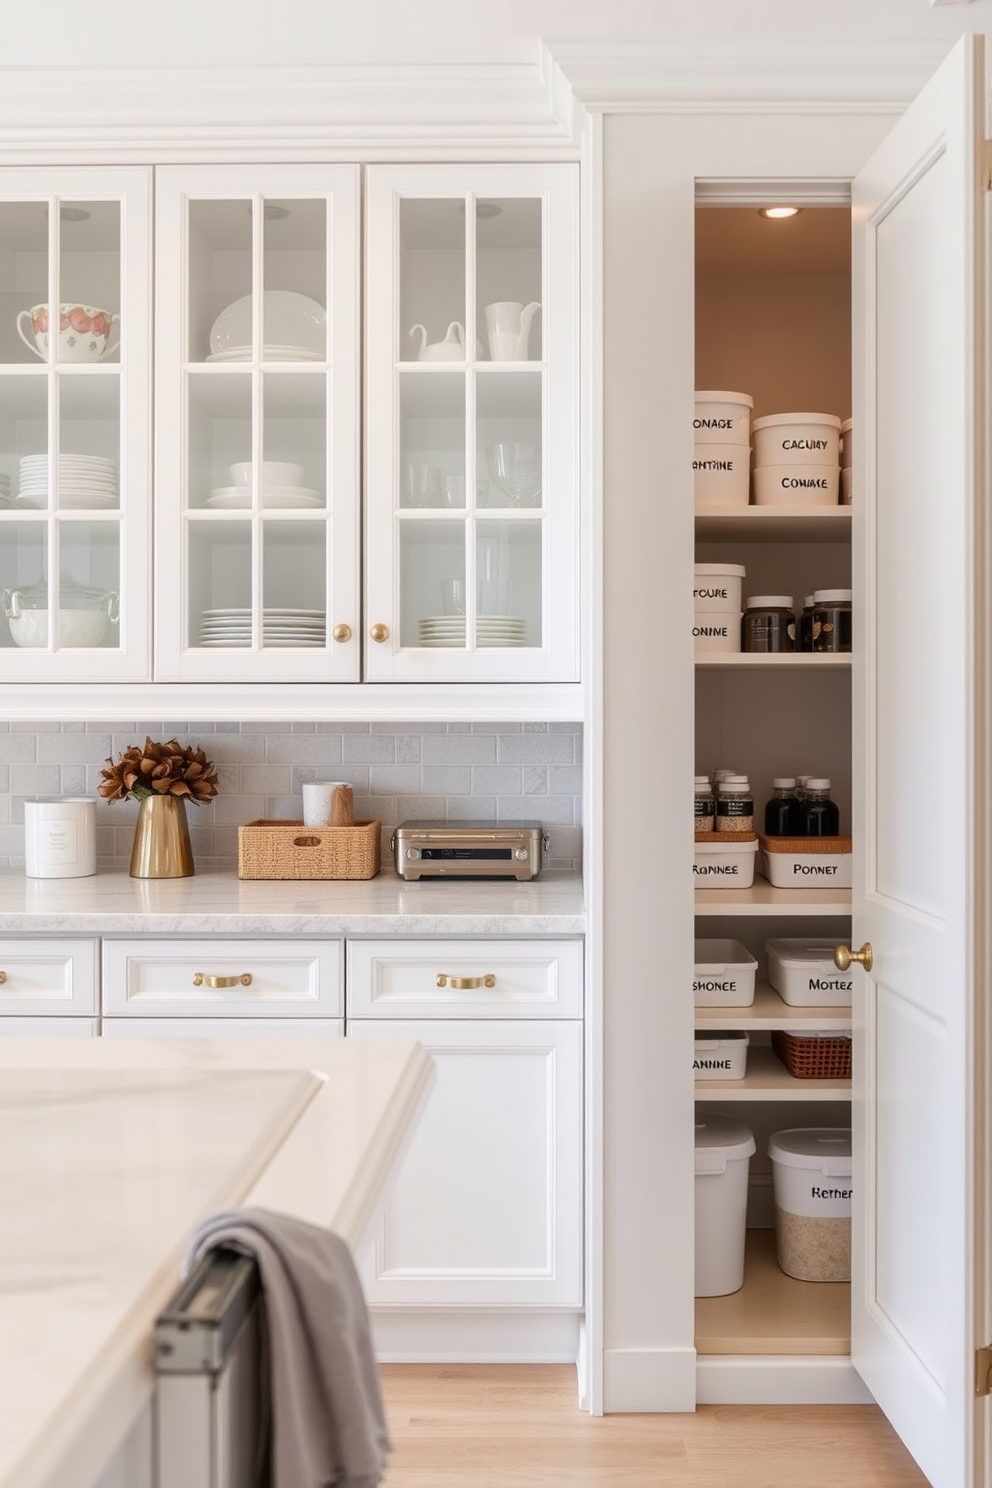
[(341, 633), (844, 957), (201, 980), (379, 633)]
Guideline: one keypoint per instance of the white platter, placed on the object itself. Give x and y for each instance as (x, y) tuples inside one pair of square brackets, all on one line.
[(289, 320)]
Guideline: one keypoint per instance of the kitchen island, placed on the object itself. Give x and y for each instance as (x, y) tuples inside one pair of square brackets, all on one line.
[(111, 1154)]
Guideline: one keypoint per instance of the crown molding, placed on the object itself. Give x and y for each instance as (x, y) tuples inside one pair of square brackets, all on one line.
[(310, 113), (839, 75)]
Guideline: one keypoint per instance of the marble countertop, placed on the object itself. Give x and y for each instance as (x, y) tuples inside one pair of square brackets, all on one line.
[(111, 1154), (221, 903)]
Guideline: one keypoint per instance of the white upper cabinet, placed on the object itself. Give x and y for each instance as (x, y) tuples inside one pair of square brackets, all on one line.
[(75, 479), (257, 375), (471, 411)]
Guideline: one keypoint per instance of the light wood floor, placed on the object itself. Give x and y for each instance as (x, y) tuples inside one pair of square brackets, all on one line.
[(517, 1426)]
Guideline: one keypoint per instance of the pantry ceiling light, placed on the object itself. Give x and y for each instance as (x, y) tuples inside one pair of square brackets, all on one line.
[(775, 213)]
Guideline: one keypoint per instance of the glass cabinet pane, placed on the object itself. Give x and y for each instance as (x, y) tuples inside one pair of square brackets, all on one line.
[(83, 591), (432, 280)]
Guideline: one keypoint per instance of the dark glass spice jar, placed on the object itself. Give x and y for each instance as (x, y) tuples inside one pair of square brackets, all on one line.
[(821, 816), (768, 623), (783, 813), (832, 620)]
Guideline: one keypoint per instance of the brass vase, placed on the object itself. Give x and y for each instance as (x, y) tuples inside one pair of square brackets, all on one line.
[(161, 839)]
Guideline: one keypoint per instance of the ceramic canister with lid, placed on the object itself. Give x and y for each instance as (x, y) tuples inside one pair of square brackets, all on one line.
[(796, 439), (717, 586), (722, 418), (60, 837)]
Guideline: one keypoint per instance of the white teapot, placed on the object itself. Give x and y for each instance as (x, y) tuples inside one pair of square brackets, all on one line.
[(451, 349)]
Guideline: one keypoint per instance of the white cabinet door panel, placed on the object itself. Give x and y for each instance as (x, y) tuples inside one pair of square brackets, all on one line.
[(207, 978), (48, 975), (486, 1210), (465, 979)]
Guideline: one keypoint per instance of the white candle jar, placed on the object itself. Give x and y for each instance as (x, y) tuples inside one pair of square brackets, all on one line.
[(60, 837)]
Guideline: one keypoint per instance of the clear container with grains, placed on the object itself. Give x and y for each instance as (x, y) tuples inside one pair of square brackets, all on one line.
[(705, 805), (813, 1188), (831, 618), (735, 805), (768, 623)]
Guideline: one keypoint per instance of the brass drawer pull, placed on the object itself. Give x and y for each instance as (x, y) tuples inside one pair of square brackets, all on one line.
[(199, 980), (3, 977), (465, 984)]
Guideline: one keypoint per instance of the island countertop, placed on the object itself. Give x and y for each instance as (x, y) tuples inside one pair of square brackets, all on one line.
[(218, 902), (112, 1152)]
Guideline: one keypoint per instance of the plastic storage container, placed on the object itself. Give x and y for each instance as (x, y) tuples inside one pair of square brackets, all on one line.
[(724, 861), (795, 485), (716, 630), (717, 586), (720, 1056), (722, 418), (724, 1147), (807, 862), (804, 975), (796, 439), (723, 974), (721, 474), (811, 1180)]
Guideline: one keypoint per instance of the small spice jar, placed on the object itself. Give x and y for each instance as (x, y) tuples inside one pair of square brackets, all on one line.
[(768, 623), (735, 805), (705, 805), (832, 620)]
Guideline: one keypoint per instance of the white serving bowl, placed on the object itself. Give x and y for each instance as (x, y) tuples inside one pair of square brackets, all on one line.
[(270, 473), (76, 627), (796, 485), (84, 332)]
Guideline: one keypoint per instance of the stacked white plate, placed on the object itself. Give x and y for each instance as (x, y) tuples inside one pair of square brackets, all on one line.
[(231, 497), (232, 627), (86, 481), (295, 327), (490, 630), (269, 354)]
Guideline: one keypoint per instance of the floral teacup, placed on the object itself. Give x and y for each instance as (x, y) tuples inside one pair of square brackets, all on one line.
[(84, 332)]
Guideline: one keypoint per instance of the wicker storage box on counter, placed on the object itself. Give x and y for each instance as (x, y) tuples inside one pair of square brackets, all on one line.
[(288, 849), (823, 1056)]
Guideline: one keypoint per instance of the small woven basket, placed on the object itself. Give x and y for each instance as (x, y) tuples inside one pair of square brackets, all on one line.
[(813, 1058), (800, 846), (288, 849)]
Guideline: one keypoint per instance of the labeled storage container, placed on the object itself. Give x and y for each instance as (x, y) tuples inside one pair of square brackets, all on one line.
[(722, 418), (724, 1147), (793, 485), (723, 974), (723, 861), (721, 474), (812, 1184), (716, 630), (807, 862), (847, 443), (768, 623), (796, 439), (717, 586), (720, 1056), (815, 1055), (804, 975)]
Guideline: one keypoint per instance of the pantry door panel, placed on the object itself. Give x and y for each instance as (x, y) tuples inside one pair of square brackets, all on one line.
[(919, 795)]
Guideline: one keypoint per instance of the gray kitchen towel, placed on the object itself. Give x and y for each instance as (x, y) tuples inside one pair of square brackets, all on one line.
[(327, 1417)]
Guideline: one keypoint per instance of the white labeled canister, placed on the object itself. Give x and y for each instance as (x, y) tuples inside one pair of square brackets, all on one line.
[(795, 485), (716, 630), (722, 418), (721, 474), (60, 837), (811, 1171), (847, 442), (797, 439), (724, 1147), (717, 586)]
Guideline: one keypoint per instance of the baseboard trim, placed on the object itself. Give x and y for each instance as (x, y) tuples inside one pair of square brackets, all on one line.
[(781, 1380), (456, 1337), (649, 1380)]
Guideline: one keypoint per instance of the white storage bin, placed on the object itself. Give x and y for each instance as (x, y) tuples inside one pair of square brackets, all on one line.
[(720, 1056), (723, 1157), (722, 418), (813, 1187), (717, 586), (804, 975), (826, 863), (724, 865), (721, 474), (792, 485), (723, 975), (846, 476), (797, 439), (716, 630)]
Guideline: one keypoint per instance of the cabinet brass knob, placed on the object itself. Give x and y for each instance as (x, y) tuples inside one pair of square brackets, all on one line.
[(379, 633), (200, 980), (464, 984), (845, 958), (3, 977), (341, 633)]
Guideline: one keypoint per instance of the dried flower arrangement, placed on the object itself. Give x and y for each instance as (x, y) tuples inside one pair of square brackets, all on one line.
[(170, 769)]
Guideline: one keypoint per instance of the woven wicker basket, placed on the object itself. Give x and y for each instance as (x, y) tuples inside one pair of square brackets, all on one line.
[(813, 1058), (799, 846), (288, 849)]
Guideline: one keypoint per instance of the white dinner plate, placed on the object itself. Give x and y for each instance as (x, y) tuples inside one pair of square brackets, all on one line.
[(289, 319)]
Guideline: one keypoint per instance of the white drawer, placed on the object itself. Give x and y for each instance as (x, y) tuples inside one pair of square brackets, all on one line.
[(465, 979), (218, 978), (48, 1027), (242, 1028), (48, 975)]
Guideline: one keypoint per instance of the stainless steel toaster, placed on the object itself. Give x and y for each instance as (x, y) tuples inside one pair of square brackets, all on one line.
[(468, 849)]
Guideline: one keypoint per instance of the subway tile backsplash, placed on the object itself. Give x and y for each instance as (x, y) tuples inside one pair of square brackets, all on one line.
[(494, 771)]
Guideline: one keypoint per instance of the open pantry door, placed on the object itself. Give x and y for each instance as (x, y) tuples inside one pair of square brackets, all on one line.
[(921, 791)]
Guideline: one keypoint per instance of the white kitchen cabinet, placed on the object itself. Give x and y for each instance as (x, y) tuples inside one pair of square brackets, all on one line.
[(264, 1028), (75, 424), (49, 978), (222, 978), (487, 1210)]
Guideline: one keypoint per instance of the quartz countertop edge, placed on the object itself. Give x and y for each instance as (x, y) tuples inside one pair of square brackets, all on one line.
[(219, 903), (88, 1259)]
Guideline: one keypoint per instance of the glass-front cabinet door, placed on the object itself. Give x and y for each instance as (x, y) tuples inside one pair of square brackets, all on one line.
[(75, 463), (257, 468), (471, 501)]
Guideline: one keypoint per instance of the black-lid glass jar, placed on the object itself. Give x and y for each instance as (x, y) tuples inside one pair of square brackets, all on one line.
[(768, 623), (832, 620)]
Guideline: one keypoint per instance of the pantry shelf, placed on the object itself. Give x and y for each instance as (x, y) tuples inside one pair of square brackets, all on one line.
[(773, 1313), (776, 661), (762, 897), (769, 1011), (774, 524), (767, 1079)]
